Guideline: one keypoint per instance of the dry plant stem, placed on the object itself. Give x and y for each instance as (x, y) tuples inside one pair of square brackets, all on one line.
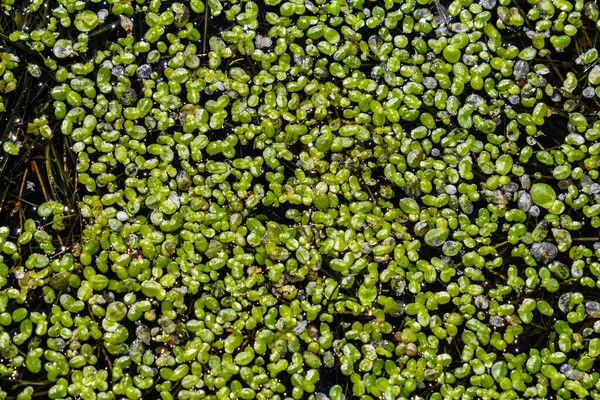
[(236, 60), (18, 203), (3, 197), (65, 165), (20, 196), (107, 358), (51, 180), (37, 383), (39, 176)]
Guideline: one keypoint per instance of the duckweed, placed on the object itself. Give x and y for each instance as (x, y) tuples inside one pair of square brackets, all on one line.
[(299, 199)]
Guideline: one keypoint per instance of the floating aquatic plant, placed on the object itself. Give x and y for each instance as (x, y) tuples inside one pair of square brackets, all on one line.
[(298, 199)]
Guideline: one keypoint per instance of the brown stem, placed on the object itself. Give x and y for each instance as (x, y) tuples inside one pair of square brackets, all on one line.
[(107, 359), (39, 176), (49, 170), (18, 203), (21, 382)]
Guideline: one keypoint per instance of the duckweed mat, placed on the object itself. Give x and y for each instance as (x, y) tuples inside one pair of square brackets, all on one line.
[(299, 199)]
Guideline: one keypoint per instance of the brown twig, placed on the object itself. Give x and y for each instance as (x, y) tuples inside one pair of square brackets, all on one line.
[(107, 358), (19, 199), (18, 203), (39, 176), (49, 170)]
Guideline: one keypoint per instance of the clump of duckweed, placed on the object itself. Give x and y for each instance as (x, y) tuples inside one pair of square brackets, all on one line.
[(299, 199)]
